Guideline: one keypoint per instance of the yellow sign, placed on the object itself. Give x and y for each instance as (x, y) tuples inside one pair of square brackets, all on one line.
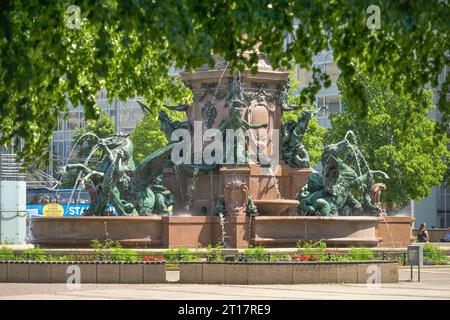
[(53, 210)]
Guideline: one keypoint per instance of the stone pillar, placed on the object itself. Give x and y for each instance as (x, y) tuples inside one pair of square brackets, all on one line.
[(236, 194), (294, 180), (238, 232)]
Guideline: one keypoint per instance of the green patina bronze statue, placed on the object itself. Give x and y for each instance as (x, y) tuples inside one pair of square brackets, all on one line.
[(292, 148), (132, 189), (340, 190), (235, 122), (235, 103)]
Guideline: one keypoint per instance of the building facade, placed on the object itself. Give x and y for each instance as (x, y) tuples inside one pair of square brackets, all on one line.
[(435, 209)]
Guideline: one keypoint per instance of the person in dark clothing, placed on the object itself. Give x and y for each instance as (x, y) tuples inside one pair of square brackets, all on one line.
[(422, 233)]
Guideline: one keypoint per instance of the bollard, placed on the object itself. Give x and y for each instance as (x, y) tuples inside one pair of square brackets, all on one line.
[(415, 258)]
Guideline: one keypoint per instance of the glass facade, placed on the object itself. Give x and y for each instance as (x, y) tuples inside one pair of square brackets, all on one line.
[(327, 100)]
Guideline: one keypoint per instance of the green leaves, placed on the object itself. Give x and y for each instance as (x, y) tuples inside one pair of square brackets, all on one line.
[(147, 137), (413, 158), (128, 47)]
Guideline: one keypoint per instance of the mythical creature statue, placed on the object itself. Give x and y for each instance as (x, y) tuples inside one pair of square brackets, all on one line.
[(132, 189), (339, 190), (235, 103), (283, 97), (220, 207), (293, 150), (168, 126), (375, 192), (235, 121)]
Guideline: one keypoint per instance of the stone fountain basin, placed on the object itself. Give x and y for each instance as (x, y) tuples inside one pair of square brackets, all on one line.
[(336, 231), (275, 207), (176, 231)]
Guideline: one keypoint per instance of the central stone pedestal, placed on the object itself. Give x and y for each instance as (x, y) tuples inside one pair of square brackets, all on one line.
[(199, 195), (238, 232)]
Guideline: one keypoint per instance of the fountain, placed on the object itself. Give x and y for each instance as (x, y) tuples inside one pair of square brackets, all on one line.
[(166, 204)]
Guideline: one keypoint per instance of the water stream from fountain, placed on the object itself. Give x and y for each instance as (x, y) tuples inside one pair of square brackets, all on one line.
[(275, 182), (76, 143), (79, 180), (223, 235), (359, 156), (178, 176), (261, 142), (192, 188), (105, 223), (388, 228), (356, 152)]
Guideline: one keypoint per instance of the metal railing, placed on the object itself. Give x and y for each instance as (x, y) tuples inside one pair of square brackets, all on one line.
[(176, 258)]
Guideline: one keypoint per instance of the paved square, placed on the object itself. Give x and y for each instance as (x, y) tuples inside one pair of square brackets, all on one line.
[(435, 284)]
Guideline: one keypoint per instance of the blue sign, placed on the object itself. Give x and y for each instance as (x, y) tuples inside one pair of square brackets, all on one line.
[(70, 210)]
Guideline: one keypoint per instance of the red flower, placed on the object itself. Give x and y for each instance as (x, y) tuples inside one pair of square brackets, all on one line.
[(305, 258), (151, 258)]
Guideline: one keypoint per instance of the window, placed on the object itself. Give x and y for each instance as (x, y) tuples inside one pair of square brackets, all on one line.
[(73, 121), (332, 71), (328, 105), (60, 123), (443, 209)]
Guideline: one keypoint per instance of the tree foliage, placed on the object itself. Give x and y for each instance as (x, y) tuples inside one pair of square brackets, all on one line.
[(414, 160), (102, 128), (128, 47), (147, 137)]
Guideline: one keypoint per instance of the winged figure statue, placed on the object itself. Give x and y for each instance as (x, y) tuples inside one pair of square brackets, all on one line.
[(132, 189)]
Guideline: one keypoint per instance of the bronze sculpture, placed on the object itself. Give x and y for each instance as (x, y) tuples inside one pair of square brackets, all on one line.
[(132, 189), (339, 189), (293, 151)]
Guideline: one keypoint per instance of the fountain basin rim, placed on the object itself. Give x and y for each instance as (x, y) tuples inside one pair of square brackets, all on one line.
[(202, 218), (277, 201), (112, 218), (320, 218)]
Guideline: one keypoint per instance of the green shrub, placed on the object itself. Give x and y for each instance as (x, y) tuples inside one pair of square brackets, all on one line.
[(434, 254), (33, 254), (120, 254), (180, 254), (215, 253), (337, 258), (360, 254), (60, 258), (110, 250), (6, 254), (280, 257), (256, 254)]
